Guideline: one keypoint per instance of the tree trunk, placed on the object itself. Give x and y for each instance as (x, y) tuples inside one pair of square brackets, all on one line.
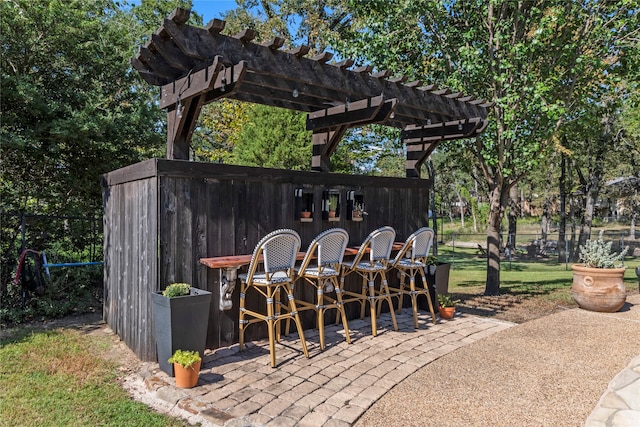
[(461, 203), (474, 204), (499, 198), (587, 218), (562, 253), (591, 188), (634, 215), (513, 217)]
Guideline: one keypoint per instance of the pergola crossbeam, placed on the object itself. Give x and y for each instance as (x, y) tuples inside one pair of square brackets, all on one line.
[(354, 113)]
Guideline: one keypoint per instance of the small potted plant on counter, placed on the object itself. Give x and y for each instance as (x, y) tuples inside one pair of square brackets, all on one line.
[(186, 365), (333, 206), (358, 211)]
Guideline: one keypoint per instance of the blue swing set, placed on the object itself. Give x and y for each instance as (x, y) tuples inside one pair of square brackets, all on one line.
[(30, 271)]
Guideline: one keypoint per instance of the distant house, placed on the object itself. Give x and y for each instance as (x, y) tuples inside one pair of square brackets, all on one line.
[(621, 198)]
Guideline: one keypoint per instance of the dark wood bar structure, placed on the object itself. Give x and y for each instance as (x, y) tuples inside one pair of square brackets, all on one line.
[(162, 216)]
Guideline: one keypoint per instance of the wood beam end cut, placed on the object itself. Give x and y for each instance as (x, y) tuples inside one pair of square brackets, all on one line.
[(323, 57), (299, 51), (215, 26), (399, 79), (274, 44), (246, 35), (363, 69), (179, 15), (381, 74), (343, 65)]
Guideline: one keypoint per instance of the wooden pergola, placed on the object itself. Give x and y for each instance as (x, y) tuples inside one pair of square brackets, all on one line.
[(195, 66)]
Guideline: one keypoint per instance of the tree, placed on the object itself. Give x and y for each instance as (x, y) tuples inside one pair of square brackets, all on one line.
[(72, 108), (274, 138), (235, 132), (218, 130), (536, 61)]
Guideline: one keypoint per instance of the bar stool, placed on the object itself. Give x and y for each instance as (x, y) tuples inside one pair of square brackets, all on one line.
[(323, 275), (377, 246), (410, 261), (278, 251)]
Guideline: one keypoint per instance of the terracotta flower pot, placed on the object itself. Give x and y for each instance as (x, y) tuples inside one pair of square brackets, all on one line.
[(598, 289), (305, 214), (187, 377), (446, 312)]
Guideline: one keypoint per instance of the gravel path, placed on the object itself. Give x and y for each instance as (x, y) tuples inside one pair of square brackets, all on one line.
[(551, 371)]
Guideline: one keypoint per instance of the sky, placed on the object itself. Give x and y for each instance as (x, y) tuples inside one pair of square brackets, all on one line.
[(210, 9)]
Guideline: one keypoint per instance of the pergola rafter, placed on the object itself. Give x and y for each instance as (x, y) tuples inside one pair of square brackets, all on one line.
[(195, 66)]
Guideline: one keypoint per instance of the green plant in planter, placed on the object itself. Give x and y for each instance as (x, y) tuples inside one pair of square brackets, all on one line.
[(180, 320), (447, 301), (177, 290), (598, 254), (333, 202), (358, 209), (432, 260), (598, 283), (185, 358)]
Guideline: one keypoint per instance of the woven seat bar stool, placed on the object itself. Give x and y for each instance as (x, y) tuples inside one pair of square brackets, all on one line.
[(277, 252), (410, 261), (372, 262), (329, 246)]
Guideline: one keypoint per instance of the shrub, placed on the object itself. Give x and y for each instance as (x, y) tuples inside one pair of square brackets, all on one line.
[(177, 290), (598, 254)]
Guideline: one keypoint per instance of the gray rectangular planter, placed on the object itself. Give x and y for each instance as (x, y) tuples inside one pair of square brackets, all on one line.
[(438, 280), (442, 278), (180, 324)]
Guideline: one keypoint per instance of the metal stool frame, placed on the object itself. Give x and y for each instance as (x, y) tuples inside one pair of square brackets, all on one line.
[(323, 275), (277, 252), (410, 261), (377, 248)]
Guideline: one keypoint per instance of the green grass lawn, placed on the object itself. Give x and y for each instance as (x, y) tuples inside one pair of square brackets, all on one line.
[(543, 278), (54, 378), (57, 378)]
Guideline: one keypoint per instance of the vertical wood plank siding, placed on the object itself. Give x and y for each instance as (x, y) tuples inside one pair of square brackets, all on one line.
[(161, 216), (131, 262)]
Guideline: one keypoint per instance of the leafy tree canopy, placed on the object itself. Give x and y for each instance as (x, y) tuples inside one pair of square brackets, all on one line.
[(274, 138), (72, 107)]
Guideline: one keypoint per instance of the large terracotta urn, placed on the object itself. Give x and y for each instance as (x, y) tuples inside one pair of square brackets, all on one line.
[(598, 289)]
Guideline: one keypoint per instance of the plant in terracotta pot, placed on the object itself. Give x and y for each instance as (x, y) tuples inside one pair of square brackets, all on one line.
[(446, 306), (186, 365), (358, 210), (598, 283), (333, 205)]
